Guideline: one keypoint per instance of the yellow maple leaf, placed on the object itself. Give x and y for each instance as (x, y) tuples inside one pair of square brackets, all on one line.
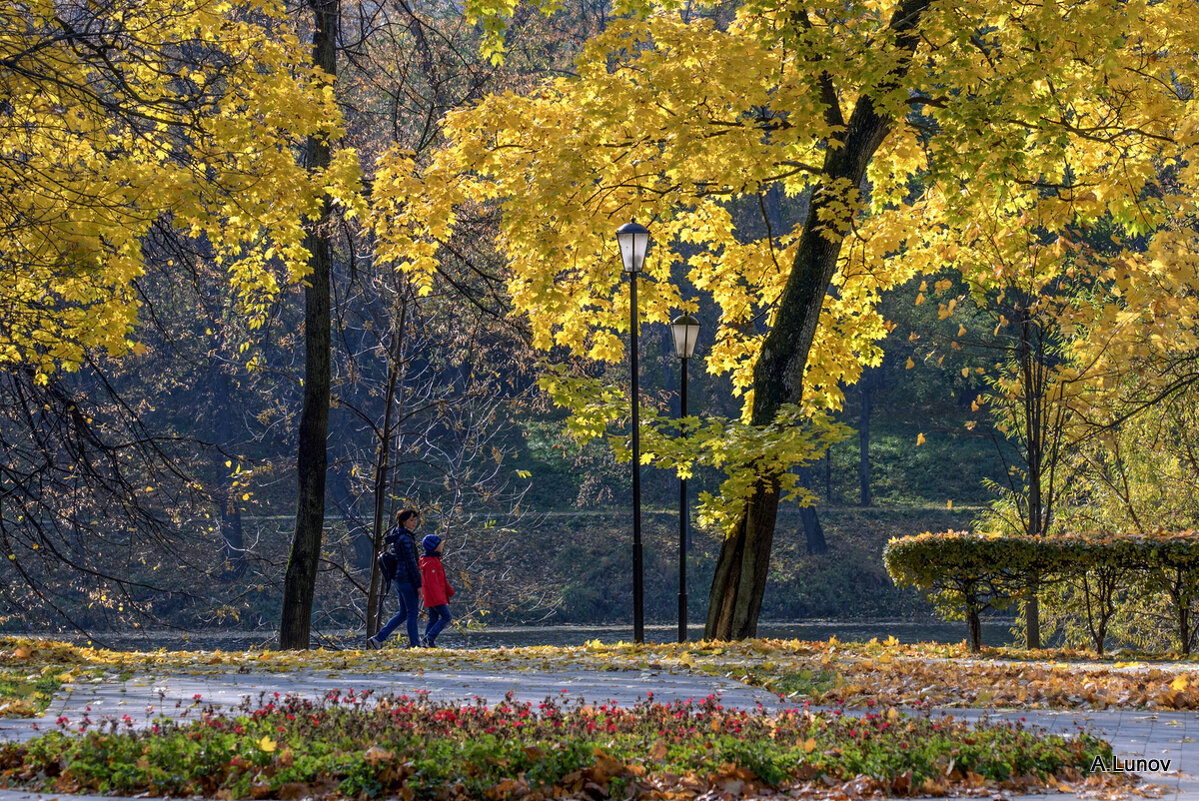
[(267, 744), (809, 745), (920, 439), (1179, 684)]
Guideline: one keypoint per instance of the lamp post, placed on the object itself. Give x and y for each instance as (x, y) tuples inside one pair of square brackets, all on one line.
[(634, 241), (685, 330)]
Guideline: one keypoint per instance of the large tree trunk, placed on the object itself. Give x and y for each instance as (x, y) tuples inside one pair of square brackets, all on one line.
[(299, 585), (736, 596), (740, 580)]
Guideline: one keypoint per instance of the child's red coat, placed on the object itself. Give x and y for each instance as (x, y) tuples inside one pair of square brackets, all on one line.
[(434, 586)]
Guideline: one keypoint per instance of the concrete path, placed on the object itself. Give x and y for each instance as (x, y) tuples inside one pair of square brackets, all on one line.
[(1154, 738)]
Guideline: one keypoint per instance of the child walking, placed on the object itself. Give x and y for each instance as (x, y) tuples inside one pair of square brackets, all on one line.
[(435, 588)]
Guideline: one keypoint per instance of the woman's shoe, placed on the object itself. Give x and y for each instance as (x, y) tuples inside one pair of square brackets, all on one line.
[(372, 644)]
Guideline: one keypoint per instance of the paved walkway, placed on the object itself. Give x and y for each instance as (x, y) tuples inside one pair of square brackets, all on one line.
[(1135, 735)]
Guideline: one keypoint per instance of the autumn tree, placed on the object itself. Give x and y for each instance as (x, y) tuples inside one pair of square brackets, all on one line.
[(1133, 354), (1018, 276), (312, 448), (118, 119), (879, 111), (421, 381)]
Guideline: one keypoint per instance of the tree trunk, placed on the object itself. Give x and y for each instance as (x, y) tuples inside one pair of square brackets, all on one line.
[(813, 531), (828, 476), (299, 584), (867, 393), (736, 596), (232, 536), (382, 467), (740, 579), (974, 629), (1177, 584), (1031, 365), (1032, 614)]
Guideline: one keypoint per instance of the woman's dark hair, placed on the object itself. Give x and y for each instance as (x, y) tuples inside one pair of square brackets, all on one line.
[(402, 517)]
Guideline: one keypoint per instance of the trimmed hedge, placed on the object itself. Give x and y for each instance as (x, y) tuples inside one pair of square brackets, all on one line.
[(965, 573)]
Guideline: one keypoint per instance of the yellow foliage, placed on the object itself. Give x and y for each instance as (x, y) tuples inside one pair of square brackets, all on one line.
[(1010, 128), (193, 118)]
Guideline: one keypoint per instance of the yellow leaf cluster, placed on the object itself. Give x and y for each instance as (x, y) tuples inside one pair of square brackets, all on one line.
[(1009, 130), (188, 112)]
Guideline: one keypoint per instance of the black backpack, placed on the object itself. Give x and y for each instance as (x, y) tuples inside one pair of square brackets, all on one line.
[(387, 566), (387, 560)]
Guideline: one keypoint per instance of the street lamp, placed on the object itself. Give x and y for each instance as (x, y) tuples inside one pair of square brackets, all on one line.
[(685, 330), (634, 241)]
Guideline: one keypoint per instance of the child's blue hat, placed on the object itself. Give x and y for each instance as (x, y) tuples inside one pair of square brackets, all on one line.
[(430, 543)]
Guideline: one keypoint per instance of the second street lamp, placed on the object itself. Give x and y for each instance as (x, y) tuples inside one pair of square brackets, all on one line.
[(685, 330), (634, 241)]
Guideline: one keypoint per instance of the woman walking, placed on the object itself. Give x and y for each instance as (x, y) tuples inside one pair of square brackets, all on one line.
[(407, 580)]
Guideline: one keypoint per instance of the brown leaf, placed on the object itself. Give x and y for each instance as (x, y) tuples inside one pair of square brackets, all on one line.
[(930, 787), (294, 791), (374, 755), (605, 768), (730, 786), (507, 789)]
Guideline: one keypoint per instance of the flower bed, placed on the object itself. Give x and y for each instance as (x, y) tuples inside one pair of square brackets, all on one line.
[(375, 746)]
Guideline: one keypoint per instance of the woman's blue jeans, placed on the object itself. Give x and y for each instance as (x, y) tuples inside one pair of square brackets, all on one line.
[(439, 618), (409, 611)]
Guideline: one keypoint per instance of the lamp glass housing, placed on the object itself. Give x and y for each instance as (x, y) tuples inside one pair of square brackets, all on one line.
[(634, 242), (685, 330)]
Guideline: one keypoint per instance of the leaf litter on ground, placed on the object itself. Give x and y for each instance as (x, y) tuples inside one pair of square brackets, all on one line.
[(886, 673)]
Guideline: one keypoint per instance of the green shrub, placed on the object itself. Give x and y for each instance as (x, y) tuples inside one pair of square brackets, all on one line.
[(965, 573)]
